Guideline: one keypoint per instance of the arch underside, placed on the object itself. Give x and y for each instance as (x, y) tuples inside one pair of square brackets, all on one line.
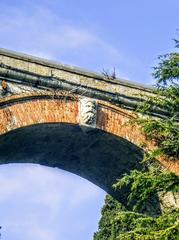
[(93, 154)]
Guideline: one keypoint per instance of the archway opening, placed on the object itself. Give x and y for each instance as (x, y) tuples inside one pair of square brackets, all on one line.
[(93, 154)]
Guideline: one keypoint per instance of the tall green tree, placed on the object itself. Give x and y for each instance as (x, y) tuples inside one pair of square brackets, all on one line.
[(118, 223)]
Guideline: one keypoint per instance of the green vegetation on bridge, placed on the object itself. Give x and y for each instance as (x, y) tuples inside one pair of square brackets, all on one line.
[(118, 223)]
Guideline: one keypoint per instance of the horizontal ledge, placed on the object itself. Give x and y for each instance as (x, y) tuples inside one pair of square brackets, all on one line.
[(72, 69)]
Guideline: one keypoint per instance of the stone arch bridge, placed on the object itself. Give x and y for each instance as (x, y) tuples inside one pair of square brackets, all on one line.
[(65, 117)]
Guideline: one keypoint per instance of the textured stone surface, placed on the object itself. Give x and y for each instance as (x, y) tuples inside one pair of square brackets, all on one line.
[(30, 71), (169, 200), (87, 111)]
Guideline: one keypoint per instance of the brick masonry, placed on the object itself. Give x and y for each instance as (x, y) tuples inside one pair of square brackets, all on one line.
[(18, 111), (36, 111), (34, 91), (25, 83)]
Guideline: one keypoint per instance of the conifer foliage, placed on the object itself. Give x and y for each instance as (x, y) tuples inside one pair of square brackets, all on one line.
[(116, 221)]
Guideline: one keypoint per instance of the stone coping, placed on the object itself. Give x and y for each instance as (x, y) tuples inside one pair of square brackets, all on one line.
[(72, 69)]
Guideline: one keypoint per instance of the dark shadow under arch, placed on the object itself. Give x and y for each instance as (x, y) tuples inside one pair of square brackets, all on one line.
[(91, 153)]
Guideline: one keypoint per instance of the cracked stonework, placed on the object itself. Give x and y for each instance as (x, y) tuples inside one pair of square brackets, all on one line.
[(87, 112)]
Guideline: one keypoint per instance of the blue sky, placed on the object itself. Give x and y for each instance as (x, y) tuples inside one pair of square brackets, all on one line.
[(42, 203), (96, 35)]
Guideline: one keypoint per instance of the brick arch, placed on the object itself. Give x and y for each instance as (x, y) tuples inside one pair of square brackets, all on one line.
[(29, 109), (25, 110)]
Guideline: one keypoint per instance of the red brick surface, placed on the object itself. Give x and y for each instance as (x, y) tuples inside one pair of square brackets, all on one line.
[(117, 121), (37, 111), (109, 118)]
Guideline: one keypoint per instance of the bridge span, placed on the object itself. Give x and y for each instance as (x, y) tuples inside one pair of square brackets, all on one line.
[(61, 116)]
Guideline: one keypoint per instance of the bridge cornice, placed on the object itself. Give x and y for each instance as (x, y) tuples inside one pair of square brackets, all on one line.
[(44, 74), (71, 69)]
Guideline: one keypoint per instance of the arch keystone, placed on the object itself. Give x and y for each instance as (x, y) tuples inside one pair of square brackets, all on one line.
[(87, 112)]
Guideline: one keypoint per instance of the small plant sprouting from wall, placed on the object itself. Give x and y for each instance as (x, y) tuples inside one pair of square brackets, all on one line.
[(111, 75)]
